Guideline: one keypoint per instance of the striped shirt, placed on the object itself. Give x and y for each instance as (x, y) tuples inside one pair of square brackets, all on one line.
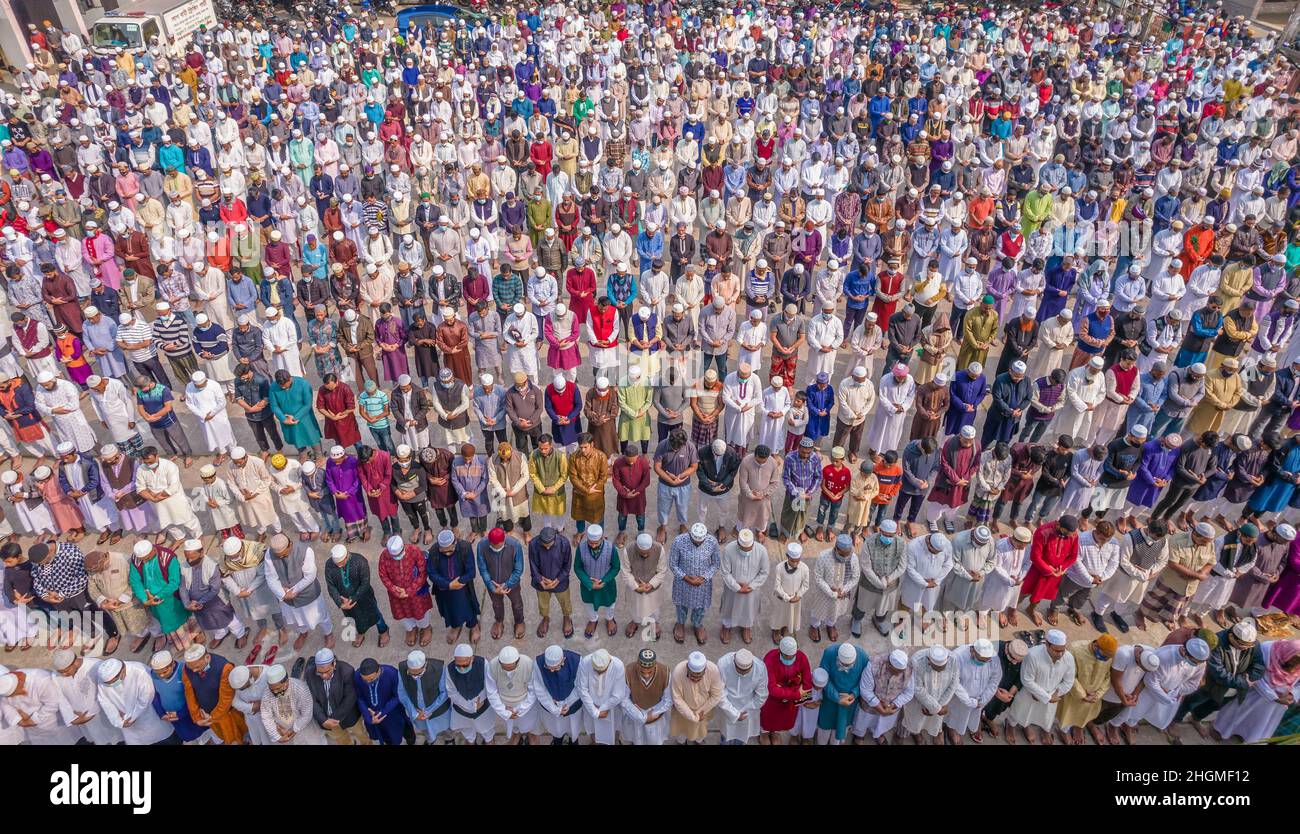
[(138, 331), (174, 330), (374, 404)]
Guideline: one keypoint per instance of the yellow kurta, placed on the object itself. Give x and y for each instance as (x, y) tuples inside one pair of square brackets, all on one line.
[(588, 469), (1233, 285), (978, 326), (547, 471), (1091, 677), (1221, 394), (857, 505)]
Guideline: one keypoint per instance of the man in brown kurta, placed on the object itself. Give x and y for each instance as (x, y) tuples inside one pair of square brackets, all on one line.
[(589, 473), (453, 341), (758, 477), (931, 404), (601, 409)]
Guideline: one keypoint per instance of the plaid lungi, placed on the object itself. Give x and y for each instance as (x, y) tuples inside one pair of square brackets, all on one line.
[(1164, 603)]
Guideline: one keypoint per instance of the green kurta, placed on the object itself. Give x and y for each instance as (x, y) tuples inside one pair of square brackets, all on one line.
[(295, 402), (171, 612), (980, 325), (547, 471), (604, 596), (1036, 208), (633, 400)]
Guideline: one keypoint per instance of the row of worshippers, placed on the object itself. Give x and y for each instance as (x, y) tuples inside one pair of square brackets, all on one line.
[(936, 695)]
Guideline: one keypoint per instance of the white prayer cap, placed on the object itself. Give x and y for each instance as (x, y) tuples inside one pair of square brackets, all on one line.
[(65, 448), (308, 467), (198, 377), (201, 318), (1097, 362), (820, 677), (463, 650), (847, 653), (1056, 637), (339, 554), (193, 544), (194, 652), (745, 537), (337, 452), (1245, 631), (486, 379), (744, 659), (42, 472), (600, 660), (938, 655), (1204, 530), (898, 659), (396, 545), (1149, 660), (789, 646), (1285, 531), (161, 660), (696, 662), (108, 450), (968, 432), (595, 532), (985, 648), (238, 453), (416, 659), (554, 655), (794, 550), (982, 534), (239, 677), (124, 318), (698, 532), (109, 669), (1023, 535), (44, 377), (446, 538), (276, 673), (602, 382), (1198, 649), (645, 541), (508, 655), (8, 477), (62, 659), (90, 311), (142, 548), (1018, 367), (518, 309), (231, 545)]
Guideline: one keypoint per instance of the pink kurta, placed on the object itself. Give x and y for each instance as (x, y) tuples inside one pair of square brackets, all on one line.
[(562, 358), (66, 514), (101, 246), (377, 474)]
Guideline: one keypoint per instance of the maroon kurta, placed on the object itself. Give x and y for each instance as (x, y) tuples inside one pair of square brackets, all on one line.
[(340, 401), (631, 477), (957, 463), (406, 575), (785, 685)]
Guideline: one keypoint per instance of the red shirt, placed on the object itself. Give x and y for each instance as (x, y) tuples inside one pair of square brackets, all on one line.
[(835, 481)]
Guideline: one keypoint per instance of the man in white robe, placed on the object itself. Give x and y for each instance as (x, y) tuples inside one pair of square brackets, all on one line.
[(825, 334), (288, 710), (59, 401), (509, 691), (560, 719), (115, 407), (286, 477), (520, 334), (602, 686), (882, 696), (894, 399), (125, 694), (252, 481), (98, 513), (1085, 390), (742, 394), (1046, 675), (929, 561), (978, 673), (744, 570), (281, 337), (301, 618), (751, 338), (934, 683), (1180, 673), (30, 699), (158, 481), (249, 683), (744, 692), (207, 402), (776, 403), (77, 680)]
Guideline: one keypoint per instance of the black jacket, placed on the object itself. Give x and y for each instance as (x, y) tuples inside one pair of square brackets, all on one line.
[(341, 703)]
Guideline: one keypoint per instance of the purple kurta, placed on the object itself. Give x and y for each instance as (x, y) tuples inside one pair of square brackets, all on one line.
[(1285, 595), (344, 477), (392, 332), (1157, 462)]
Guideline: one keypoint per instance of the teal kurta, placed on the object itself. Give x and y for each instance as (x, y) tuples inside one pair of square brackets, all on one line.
[(171, 612), (833, 715), (295, 401)]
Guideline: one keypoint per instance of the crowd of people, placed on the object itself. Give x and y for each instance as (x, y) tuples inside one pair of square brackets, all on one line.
[(990, 308)]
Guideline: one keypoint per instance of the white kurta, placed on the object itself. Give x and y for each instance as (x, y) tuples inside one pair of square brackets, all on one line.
[(923, 565), (99, 515), (893, 401), (304, 617), (821, 333), (173, 511), (249, 701), (128, 706), (976, 685), (743, 695), (1002, 586), (602, 693), (771, 430), (282, 341), (254, 478), (41, 702), (510, 693), (116, 407), (294, 504), (1040, 679), (208, 405), (742, 399), (789, 587), (291, 710), (80, 693), (634, 727), (1164, 689), (933, 688), (471, 728), (1256, 716), (72, 426)]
